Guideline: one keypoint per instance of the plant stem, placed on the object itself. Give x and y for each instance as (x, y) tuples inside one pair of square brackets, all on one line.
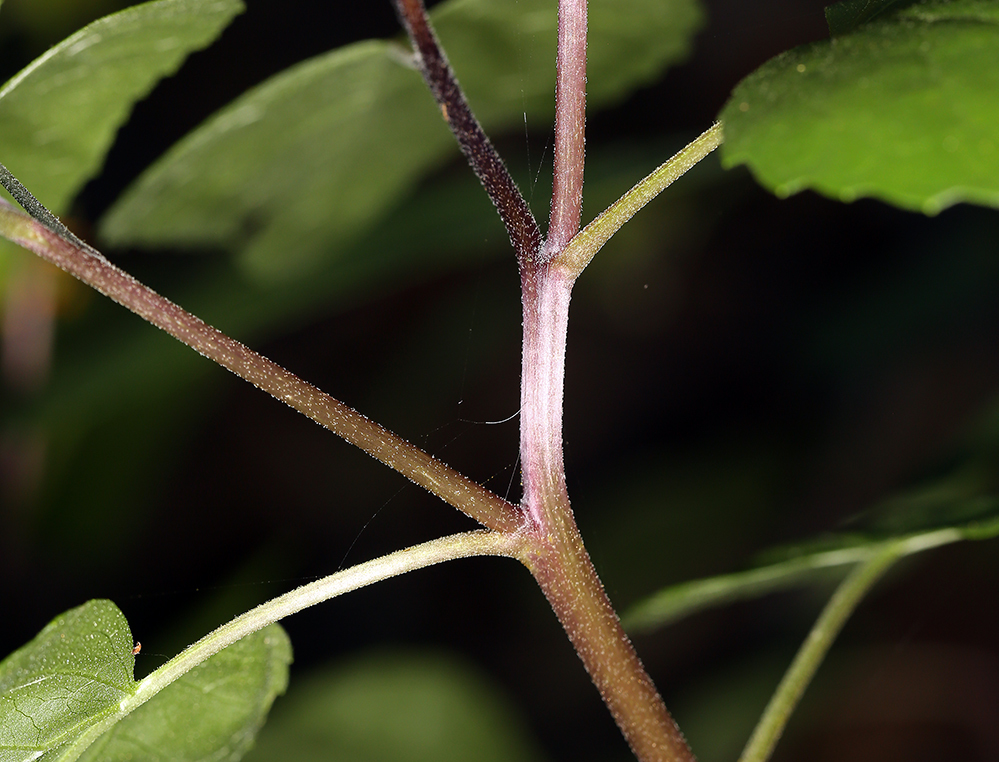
[(93, 269), (479, 151), (570, 126), (843, 602), (558, 558), (591, 239), (566, 575), (466, 545)]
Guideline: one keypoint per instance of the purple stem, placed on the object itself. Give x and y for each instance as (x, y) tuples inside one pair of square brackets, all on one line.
[(570, 126), (482, 156)]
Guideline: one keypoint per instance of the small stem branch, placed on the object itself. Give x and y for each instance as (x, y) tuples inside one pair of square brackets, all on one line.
[(479, 151), (842, 604), (592, 238), (93, 269), (570, 126), (478, 543)]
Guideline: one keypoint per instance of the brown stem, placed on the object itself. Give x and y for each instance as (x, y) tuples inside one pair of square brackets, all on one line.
[(93, 269), (570, 583), (570, 126), (479, 151)]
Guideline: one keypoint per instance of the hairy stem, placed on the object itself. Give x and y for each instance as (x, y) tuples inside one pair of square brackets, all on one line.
[(478, 543), (843, 602), (558, 558), (566, 575), (88, 265), (570, 126), (546, 317), (592, 238), (479, 151)]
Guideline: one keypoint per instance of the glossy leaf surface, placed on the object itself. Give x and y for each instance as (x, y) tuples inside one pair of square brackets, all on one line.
[(902, 109), (74, 673), (212, 713)]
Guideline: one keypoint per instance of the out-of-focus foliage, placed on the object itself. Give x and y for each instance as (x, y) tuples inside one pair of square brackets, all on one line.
[(390, 706), (289, 174)]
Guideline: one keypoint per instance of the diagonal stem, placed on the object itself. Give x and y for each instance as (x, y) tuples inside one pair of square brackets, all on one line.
[(479, 151), (88, 265), (577, 255), (467, 545), (843, 602)]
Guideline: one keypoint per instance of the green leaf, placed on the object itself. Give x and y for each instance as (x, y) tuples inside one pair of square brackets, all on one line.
[(74, 681), (295, 169), (75, 672), (59, 116), (395, 707), (902, 109), (211, 713), (678, 601), (848, 15), (946, 512)]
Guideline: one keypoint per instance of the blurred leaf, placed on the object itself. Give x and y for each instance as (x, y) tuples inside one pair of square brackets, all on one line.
[(60, 114), (125, 376), (75, 672), (395, 707), (848, 15), (944, 513), (78, 672), (678, 601), (902, 109), (211, 713), (298, 167)]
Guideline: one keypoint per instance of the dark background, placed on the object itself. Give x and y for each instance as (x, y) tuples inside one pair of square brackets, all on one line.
[(742, 372)]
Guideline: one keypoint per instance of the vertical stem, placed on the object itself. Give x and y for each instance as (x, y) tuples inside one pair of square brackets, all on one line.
[(570, 126), (546, 317), (558, 559)]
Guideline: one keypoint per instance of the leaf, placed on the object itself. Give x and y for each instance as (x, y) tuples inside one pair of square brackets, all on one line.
[(75, 679), (848, 15), (678, 601), (942, 513), (74, 673), (902, 109), (395, 707), (212, 713), (59, 115), (297, 168)]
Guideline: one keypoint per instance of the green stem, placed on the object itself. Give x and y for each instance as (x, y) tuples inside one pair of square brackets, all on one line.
[(842, 604), (590, 240), (465, 545), (679, 601)]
